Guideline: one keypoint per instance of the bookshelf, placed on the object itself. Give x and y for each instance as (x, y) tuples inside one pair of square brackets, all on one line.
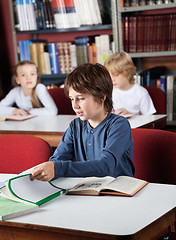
[(53, 35), (118, 25), (131, 19)]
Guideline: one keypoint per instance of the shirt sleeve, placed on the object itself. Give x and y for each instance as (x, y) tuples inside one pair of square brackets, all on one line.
[(6, 104), (114, 160), (147, 107), (49, 107)]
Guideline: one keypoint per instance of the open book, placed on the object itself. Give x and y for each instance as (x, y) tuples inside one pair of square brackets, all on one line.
[(123, 185), (22, 195), (15, 117)]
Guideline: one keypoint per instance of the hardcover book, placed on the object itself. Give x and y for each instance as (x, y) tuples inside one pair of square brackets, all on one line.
[(15, 117), (123, 186)]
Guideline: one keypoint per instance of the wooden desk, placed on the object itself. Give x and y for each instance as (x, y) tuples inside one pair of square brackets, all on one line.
[(141, 217), (52, 128)]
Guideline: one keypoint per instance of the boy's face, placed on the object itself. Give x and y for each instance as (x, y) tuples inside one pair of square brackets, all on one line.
[(27, 76), (86, 107), (120, 81)]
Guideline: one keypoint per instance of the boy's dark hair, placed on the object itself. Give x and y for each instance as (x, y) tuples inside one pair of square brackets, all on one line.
[(93, 79)]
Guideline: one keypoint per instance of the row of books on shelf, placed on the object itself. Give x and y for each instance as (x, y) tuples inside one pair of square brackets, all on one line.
[(49, 14), (134, 3), (63, 57), (167, 83), (149, 33)]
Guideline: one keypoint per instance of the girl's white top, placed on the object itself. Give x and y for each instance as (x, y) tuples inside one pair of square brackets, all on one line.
[(16, 96)]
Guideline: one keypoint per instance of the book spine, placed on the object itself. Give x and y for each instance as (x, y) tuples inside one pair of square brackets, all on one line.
[(21, 50), (61, 57), (20, 15), (33, 53), (46, 16), (16, 17), (25, 14), (50, 14), (81, 49), (163, 83), (71, 14), (42, 14), (60, 14), (54, 60), (174, 99), (105, 47), (169, 97), (40, 56), (132, 34), (73, 56), (32, 19), (47, 60)]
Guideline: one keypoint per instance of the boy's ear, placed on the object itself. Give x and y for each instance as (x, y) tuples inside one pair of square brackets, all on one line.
[(104, 98)]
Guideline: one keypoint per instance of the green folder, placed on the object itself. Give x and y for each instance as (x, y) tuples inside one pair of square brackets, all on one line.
[(20, 195)]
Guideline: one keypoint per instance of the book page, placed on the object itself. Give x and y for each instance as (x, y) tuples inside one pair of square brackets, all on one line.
[(125, 184), (90, 185)]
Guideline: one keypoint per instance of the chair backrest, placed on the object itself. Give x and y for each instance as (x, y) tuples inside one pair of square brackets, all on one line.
[(62, 102), (159, 100), (20, 152), (154, 155)]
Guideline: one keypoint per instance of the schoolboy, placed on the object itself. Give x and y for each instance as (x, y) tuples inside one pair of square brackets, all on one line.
[(98, 142), (128, 96)]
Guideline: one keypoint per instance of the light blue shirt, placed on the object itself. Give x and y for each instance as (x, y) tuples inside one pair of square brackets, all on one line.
[(106, 150)]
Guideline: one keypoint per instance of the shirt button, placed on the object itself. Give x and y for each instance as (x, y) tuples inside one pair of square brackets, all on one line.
[(91, 131)]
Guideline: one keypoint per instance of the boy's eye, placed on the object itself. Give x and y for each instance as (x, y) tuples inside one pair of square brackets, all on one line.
[(80, 99)]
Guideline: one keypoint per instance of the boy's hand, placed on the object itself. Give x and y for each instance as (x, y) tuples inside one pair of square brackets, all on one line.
[(121, 111), (45, 172)]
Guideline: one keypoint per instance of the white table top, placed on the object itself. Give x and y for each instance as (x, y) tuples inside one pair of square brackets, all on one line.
[(115, 215), (142, 120), (59, 123)]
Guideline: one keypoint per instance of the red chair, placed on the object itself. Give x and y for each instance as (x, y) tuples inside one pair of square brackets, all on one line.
[(155, 160), (20, 152), (154, 155), (62, 102), (159, 100)]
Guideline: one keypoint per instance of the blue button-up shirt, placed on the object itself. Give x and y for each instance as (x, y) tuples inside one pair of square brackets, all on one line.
[(106, 150)]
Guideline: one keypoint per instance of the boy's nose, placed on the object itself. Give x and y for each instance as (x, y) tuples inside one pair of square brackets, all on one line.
[(75, 104)]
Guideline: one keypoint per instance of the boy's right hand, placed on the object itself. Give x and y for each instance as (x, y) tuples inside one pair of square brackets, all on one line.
[(44, 172)]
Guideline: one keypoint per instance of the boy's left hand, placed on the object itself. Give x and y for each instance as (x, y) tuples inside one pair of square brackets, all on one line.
[(121, 111)]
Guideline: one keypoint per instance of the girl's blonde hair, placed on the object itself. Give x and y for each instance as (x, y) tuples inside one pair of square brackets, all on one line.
[(34, 99), (121, 63)]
